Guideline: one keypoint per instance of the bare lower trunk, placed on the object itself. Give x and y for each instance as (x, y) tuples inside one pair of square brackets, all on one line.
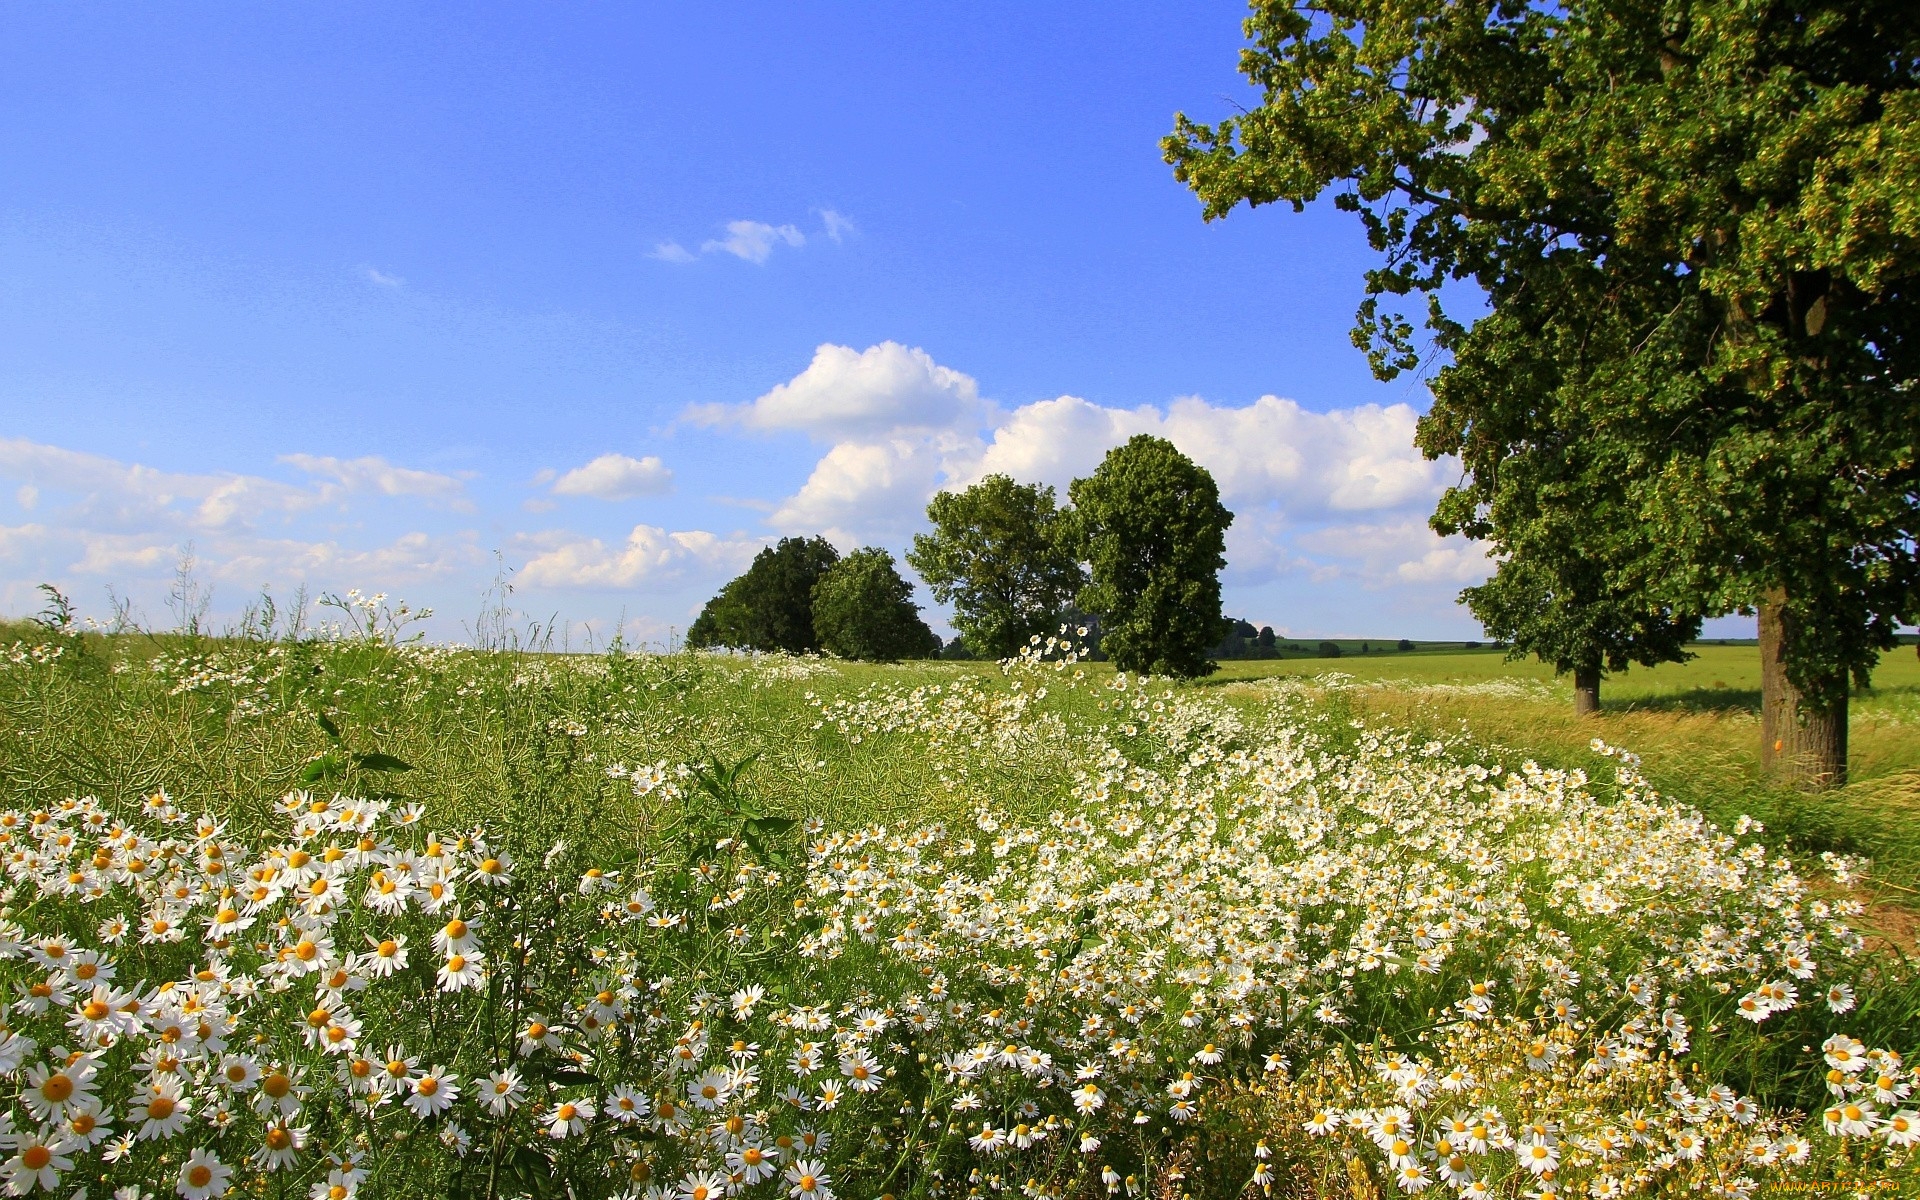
[(1799, 743), (1586, 691)]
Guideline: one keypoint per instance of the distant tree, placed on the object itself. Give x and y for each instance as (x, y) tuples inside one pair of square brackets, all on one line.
[(1405, 645), (1365, 648), (863, 609), (999, 555), (770, 607), (1329, 650), (1150, 523), (1562, 610), (1265, 641)]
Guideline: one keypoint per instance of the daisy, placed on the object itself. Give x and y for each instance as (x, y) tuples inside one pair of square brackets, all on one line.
[(506, 1091), (38, 1158), (1902, 1129), (50, 1091), (162, 1111), (626, 1105), (462, 971), (434, 1091), (280, 1147), (752, 1163), (704, 1186), (808, 1180), (537, 1034), (202, 1176), (568, 1119)]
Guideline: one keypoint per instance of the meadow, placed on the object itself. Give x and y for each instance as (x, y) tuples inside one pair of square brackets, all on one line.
[(341, 915)]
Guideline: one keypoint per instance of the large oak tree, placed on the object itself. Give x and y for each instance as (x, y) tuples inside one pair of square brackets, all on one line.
[(1697, 225)]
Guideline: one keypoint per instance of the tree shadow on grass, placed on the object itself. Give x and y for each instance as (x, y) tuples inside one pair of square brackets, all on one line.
[(1693, 700)]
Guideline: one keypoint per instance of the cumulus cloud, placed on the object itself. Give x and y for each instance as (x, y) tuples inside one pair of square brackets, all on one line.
[(1395, 553), (650, 556), (884, 390), (616, 477), (1271, 451), (1308, 487)]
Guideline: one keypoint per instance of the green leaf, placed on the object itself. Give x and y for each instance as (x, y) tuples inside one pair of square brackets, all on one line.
[(571, 1077), (326, 723), (377, 761), (324, 767), (772, 826)]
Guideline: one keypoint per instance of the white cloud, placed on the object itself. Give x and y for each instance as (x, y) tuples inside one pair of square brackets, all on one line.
[(844, 393), (672, 252), (1271, 451), (28, 496), (110, 493), (616, 477), (753, 240), (374, 474), (1396, 553), (864, 488), (837, 225), (376, 276), (651, 556)]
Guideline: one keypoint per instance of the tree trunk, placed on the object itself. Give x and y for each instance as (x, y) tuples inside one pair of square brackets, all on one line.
[(1586, 691), (1799, 744)]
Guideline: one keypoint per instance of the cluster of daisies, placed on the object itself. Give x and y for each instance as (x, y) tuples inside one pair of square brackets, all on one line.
[(1226, 911)]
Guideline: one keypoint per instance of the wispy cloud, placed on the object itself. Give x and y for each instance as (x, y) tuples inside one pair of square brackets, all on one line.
[(837, 225), (376, 276), (753, 240), (375, 474)]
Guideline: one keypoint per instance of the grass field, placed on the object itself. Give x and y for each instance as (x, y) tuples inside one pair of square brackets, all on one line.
[(339, 918)]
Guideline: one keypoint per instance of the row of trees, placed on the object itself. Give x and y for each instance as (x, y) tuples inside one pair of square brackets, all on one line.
[(1695, 225), (1138, 553), (801, 596)]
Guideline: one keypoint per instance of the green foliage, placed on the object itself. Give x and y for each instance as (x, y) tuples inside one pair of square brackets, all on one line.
[(998, 555), (1695, 224), (1150, 522), (770, 607), (863, 609)]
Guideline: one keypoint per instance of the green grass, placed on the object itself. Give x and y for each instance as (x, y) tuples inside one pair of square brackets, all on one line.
[(1054, 779)]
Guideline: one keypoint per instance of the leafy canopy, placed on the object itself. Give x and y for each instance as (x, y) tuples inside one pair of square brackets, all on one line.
[(1000, 556), (770, 607), (863, 609), (1150, 523), (1697, 224)]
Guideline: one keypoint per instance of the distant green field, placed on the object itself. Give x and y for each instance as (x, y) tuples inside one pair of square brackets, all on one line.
[(1718, 677)]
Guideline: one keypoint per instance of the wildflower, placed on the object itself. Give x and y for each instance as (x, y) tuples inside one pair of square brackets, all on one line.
[(703, 1186), (568, 1119), (202, 1176), (505, 1091), (162, 1112), (280, 1147), (434, 1090), (808, 1180), (461, 971), (51, 1091), (752, 1163), (1901, 1129), (37, 1161)]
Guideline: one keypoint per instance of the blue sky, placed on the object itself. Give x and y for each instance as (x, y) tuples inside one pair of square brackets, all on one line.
[(364, 295)]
